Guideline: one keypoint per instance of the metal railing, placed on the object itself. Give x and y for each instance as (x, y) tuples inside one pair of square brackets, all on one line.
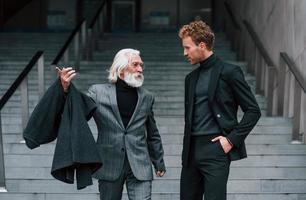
[(282, 84), (95, 31), (22, 82), (235, 32), (292, 92), (85, 40), (264, 69), (251, 49), (78, 32)]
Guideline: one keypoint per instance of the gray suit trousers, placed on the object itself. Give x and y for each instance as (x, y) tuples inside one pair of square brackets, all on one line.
[(136, 189)]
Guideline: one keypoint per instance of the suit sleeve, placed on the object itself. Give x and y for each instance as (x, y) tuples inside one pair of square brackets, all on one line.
[(154, 142), (246, 100), (92, 93)]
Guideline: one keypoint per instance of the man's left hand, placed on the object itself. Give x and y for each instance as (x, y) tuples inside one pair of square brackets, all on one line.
[(160, 173), (225, 144)]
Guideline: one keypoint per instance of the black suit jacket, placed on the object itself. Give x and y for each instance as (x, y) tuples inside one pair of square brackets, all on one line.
[(226, 91)]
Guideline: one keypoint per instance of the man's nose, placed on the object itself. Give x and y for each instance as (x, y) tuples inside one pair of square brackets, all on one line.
[(185, 53), (139, 69)]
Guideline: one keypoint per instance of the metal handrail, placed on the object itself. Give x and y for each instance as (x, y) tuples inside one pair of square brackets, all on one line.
[(20, 78), (258, 43), (232, 16), (294, 70), (270, 71), (283, 90), (64, 52), (88, 40), (94, 31), (96, 17), (22, 82), (299, 84), (80, 30), (235, 32), (266, 73)]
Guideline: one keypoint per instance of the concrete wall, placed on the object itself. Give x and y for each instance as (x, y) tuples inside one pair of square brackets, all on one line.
[(281, 25)]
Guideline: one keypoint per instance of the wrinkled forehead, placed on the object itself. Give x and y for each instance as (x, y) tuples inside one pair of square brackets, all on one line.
[(135, 58)]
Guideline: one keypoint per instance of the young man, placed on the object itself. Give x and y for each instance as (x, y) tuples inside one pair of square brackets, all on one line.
[(128, 139), (213, 137)]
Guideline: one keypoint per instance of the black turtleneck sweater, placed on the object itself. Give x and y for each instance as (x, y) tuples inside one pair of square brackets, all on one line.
[(127, 98), (203, 122)]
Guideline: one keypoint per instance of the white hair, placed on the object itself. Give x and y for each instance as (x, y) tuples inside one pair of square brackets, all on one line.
[(121, 61)]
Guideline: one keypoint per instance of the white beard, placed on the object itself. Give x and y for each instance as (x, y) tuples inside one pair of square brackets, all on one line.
[(133, 80)]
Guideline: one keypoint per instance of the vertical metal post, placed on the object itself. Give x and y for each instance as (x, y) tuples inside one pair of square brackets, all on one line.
[(286, 93), (83, 39), (77, 51), (281, 88), (291, 95), (257, 71), (2, 169), (24, 102), (66, 57), (95, 35), (296, 113), (303, 120), (41, 76), (89, 45), (100, 21), (270, 88)]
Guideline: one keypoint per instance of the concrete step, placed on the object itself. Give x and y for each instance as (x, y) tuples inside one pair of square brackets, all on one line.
[(163, 186), (174, 173), (178, 138), (170, 121), (251, 139), (155, 196), (40, 160), (172, 149), (270, 121)]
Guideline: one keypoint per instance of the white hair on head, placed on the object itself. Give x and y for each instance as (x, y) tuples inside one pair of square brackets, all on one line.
[(121, 61)]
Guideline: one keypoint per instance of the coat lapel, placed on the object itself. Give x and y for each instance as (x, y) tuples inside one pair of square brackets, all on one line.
[(137, 108), (113, 102), (214, 78)]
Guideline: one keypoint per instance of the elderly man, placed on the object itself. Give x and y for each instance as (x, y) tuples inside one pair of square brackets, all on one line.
[(128, 139)]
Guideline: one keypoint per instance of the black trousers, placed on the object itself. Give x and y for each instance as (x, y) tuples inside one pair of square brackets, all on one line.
[(207, 172)]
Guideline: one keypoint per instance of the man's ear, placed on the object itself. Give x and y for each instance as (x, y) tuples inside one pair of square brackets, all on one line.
[(121, 75), (202, 45)]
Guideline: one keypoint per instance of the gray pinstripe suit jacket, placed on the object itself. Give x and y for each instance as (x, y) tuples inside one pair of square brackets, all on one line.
[(140, 140)]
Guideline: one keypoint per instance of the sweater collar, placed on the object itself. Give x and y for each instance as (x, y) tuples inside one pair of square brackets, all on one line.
[(123, 85), (208, 62)]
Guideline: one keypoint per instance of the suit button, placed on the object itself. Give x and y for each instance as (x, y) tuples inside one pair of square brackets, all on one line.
[(218, 115), (122, 149)]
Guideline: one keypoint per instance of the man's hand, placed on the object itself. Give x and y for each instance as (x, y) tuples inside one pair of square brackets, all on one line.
[(160, 173), (225, 144), (65, 74)]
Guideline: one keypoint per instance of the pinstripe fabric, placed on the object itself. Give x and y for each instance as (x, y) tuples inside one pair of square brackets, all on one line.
[(140, 140), (136, 190)]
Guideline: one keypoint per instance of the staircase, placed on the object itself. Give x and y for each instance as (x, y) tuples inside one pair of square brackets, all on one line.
[(274, 169)]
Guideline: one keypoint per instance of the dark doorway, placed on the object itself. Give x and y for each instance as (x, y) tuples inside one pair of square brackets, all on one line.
[(123, 16)]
